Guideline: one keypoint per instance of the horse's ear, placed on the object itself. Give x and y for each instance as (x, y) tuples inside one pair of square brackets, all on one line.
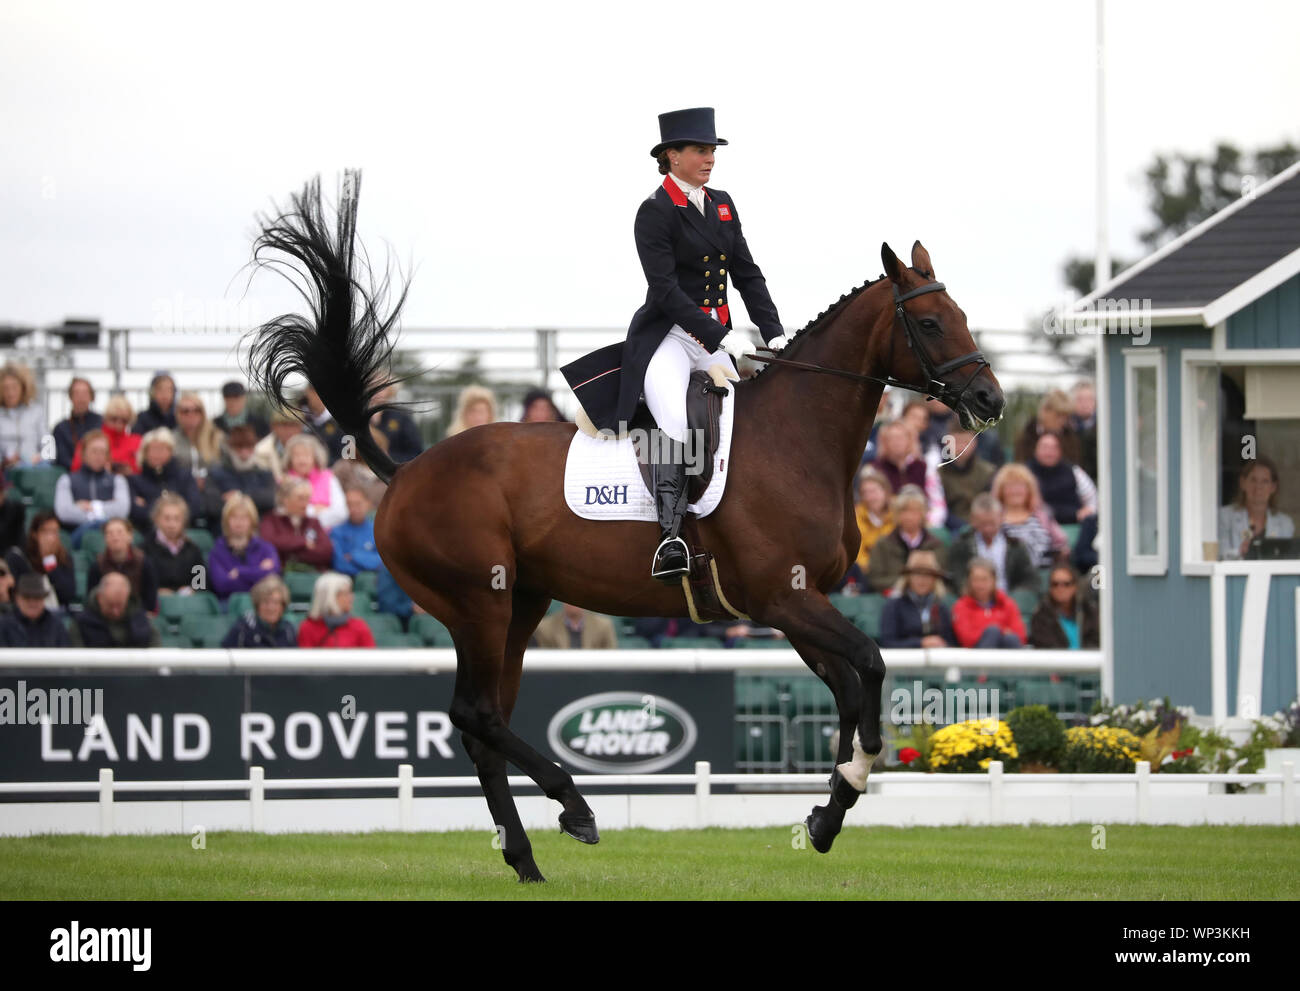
[(893, 267), (921, 260)]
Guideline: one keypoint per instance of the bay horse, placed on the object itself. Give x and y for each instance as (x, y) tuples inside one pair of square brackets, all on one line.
[(476, 529)]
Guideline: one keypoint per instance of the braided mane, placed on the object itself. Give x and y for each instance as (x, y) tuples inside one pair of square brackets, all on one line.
[(819, 321)]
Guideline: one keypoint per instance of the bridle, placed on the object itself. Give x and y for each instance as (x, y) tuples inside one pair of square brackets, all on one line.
[(934, 387)]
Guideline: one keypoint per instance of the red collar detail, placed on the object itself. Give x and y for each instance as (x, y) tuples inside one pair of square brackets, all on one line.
[(674, 191)]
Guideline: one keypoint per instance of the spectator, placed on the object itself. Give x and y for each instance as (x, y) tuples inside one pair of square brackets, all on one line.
[(985, 616), (398, 428), (1083, 421), (113, 617), (392, 598), (321, 422), (891, 551), (1053, 418), (1065, 618), (298, 538), (330, 622), (305, 460), (540, 408), (121, 556), (986, 538), (964, 478), (176, 559), (354, 539), (123, 445), (22, 418), (85, 498), (1024, 515), (1085, 556), (900, 462), (474, 406), (874, 513), (916, 414), (31, 624), (269, 452), (1066, 490), (872, 450), (238, 472), (43, 553), (67, 433), (264, 625), (1253, 514), (353, 473), (572, 627), (235, 398), (240, 558), (161, 411), (198, 441), (915, 615), (159, 472), (6, 588)]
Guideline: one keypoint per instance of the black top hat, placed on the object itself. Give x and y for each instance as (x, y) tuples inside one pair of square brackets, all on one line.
[(686, 127)]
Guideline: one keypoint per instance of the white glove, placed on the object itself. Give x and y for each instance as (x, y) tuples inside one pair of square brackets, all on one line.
[(778, 343), (735, 344)]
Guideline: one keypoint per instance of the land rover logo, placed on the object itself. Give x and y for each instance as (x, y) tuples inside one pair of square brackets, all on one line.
[(623, 732)]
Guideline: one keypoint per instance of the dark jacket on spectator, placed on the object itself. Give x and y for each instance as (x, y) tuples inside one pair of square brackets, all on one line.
[(307, 543), (174, 570), (155, 416), (1018, 563), (1045, 629), (913, 473), (250, 631), (47, 630), (1059, 489), (890, 554), (62, 577), (390, 597), (256, 483), (150, 483), (1071, 449), (139, 571), (92, 629), (903, 625), (962, 483), (68, 432), (250, 566), (1085, 556), (404, 440)]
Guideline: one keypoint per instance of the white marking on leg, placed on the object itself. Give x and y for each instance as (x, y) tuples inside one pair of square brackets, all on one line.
[(856, 770)]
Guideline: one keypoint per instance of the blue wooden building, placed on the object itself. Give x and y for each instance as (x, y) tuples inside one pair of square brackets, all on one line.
[(1198, 376)]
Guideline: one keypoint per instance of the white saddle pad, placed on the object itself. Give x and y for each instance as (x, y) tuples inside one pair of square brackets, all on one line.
[(602, 480)]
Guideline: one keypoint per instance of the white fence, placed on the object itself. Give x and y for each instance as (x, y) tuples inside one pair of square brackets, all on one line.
[(893, 799)]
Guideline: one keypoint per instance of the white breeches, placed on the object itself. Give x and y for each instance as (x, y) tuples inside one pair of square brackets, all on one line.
[(666, 377)]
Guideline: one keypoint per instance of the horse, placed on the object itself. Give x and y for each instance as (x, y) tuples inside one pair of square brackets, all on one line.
[(476, 529)]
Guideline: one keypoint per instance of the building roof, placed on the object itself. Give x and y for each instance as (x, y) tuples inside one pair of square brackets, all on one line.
[(1256, 234)]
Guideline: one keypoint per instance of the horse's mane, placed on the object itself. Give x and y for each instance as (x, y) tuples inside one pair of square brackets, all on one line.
[(819, 321)]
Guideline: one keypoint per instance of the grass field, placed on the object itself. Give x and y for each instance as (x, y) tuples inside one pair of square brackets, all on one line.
[(1007, 862)]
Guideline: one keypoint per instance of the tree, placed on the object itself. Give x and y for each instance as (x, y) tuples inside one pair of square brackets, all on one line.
[(1183, 190)]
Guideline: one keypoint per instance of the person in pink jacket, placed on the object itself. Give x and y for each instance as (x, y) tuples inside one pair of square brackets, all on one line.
[(985, 616)]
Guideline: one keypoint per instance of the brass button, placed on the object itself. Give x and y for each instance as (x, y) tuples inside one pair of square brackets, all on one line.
[(706, 275), (721, 271), (722, 257), (706, 302), (706, 258), (721, 286)]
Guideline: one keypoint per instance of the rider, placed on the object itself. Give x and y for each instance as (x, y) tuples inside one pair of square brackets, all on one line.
[(689, 240)]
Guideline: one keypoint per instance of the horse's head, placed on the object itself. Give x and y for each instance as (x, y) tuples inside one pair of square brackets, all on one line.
[(931, 346)]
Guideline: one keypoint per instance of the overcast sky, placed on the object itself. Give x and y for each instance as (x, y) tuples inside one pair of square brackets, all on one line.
[(505, 145)]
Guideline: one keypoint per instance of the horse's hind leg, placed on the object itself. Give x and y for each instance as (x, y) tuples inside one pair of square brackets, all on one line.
[(527, 611)]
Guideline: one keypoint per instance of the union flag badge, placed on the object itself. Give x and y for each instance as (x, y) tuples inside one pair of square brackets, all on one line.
[(724, 212)]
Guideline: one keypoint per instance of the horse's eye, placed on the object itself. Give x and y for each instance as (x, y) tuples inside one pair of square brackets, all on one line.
[(929, 324)]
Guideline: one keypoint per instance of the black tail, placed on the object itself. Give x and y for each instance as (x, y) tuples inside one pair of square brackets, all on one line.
[(342, 347)]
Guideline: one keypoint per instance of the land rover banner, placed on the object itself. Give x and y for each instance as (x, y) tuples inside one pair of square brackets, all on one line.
[(204, 727)]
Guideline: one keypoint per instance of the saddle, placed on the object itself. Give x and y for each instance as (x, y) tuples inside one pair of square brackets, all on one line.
[(703, 413)]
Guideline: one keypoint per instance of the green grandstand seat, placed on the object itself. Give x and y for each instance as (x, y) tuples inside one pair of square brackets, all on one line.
[(942, 534), (381, 622), (757, 694), (1027, 602), (301, 585), (691, 643), (173, 608), (809, 695), (632, 642), (812, 742), (363, 583), (430, 632), (204, 630), (37, 484), (863, 611), (389, 639), (761, 643), (239, 603), (202, 538)]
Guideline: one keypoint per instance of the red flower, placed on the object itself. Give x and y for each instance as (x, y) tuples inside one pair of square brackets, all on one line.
[(1183, 753), (908, 754)]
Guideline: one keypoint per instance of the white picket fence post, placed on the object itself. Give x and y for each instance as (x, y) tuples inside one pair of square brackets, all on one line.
[(405, 797), (702, 788), (995, 792), (1143, 779), (1288, 793), (105, 801), (257, 799)]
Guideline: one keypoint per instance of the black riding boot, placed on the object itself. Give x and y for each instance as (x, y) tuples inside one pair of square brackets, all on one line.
[(671, 560)]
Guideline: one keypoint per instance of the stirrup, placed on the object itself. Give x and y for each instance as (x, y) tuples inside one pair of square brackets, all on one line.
[(665, 549)]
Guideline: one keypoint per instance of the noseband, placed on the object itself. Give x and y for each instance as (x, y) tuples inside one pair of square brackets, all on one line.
[(934, 386)]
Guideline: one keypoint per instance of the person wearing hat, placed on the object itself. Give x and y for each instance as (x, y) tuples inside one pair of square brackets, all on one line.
[(31, 624), (162, 405), (689, 239), (235, 397), (398, 427), (915, 616)]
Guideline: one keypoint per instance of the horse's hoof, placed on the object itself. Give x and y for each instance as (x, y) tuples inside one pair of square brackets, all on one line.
[(822, 829), (581, 828), (531, 876)]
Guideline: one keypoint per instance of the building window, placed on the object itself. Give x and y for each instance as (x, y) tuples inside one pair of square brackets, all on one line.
[(1148, 476)]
